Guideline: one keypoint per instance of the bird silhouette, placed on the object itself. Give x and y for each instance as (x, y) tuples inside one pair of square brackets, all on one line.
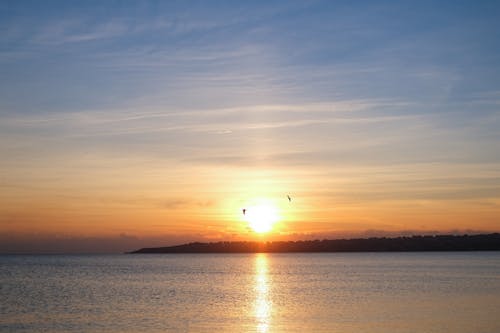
[(244, 211), (289, 199)]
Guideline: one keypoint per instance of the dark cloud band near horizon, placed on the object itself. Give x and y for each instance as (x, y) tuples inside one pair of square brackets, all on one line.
[(25, 243)]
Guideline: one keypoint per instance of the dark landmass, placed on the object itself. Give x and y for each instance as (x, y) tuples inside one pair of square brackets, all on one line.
[(486, 242)]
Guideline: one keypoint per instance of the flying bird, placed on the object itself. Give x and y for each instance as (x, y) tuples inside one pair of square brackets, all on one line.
[(289, 199), (244, 211)]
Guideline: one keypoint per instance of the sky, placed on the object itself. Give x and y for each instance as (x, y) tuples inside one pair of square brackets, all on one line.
[(141, 123)]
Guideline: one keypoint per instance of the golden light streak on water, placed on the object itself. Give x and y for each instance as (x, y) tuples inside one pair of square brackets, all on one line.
[(262, 302)]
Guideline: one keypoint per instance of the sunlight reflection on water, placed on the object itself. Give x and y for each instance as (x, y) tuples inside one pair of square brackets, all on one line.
[(266, 293), (262, 301)]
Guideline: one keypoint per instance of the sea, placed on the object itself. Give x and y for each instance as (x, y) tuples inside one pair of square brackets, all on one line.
[(295, 292)]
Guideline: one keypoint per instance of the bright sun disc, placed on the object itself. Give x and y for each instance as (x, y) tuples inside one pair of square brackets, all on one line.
[(261, 217)]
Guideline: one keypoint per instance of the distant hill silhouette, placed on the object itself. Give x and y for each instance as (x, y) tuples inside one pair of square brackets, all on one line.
[(486, 242)]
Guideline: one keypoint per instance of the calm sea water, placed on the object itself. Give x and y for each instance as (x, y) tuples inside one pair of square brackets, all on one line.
[(354, 292)]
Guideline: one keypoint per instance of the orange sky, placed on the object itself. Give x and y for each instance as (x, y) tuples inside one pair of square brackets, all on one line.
[(128, 197)]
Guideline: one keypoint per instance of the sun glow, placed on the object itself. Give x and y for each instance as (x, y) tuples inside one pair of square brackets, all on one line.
[(261, 217)]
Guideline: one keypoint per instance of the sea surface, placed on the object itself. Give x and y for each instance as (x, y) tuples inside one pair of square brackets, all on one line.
[(327, 292)]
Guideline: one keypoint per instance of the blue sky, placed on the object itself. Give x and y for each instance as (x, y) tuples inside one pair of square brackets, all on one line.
[(92, 55), (399, 95)]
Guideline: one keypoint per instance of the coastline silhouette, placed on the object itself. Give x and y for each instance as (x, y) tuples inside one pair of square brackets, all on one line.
[(484, 242)]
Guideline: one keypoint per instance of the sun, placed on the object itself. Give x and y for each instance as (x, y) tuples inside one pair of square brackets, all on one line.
[(261, 217)]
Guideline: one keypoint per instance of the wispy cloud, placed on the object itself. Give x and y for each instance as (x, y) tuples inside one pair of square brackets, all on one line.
[(79, 30), (350, 111)]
